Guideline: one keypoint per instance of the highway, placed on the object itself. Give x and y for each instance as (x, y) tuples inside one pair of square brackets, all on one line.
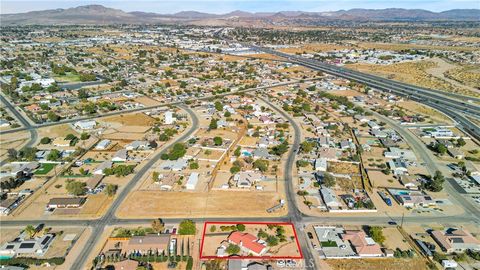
[(453, 105)]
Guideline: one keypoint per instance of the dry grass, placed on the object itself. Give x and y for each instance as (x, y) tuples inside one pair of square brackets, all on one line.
[(468, 75), (136, 119), (150, 204), (378, 264)]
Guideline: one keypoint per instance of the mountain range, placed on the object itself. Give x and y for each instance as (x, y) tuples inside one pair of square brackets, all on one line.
[(98, 14)]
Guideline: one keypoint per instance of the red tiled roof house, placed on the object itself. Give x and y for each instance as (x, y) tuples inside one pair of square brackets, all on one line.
[(248, 243), (363, 245)]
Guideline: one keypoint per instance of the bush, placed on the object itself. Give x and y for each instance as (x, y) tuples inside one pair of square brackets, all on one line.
[(187, 227), (33, 261), (45, 140)]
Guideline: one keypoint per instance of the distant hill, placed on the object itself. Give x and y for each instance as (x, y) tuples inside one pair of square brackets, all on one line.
[(98, 14)]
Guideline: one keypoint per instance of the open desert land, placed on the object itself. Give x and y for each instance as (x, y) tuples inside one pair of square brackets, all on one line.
[(130, 119), (432, 116), (13, 140), (467, 77), (56, 131), (151, 204), (414, 73)]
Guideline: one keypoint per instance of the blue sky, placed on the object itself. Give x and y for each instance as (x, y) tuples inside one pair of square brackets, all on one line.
[(224, 6)]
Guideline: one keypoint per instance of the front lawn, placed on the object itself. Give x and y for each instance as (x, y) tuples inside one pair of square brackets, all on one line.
[(45, 168), (328, 244)]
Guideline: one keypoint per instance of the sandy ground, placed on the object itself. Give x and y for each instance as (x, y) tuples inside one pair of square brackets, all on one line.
[(13, 140), (135, 119), (378, 264), (443, 67), (212, 204)]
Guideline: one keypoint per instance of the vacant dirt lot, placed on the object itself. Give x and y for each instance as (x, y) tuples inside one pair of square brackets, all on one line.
[(136, 119), (378, 264), (149, 204)]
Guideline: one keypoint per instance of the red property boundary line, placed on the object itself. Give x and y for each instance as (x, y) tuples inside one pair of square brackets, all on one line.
[(250, 257)]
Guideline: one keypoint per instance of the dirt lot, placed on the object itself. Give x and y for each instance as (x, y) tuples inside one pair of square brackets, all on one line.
[(378, 264), (135, 119), (12, 140), (56, 131), (200, 204)]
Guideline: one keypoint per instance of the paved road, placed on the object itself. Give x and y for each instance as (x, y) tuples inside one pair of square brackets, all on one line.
[(99, 225), (23, 121), (293, 212)]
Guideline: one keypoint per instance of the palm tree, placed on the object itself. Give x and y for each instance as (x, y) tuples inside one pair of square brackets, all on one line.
[(30, 230)]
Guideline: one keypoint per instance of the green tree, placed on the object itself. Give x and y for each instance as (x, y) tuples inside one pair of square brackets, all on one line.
[(213, 228), (237, 151), (217, 141), (271, 240), (261, 164), (234, 169), (377, 234), (233, 249), (187, 227), (213, 124), (54, 155), (53, 117), (111, 189), (328, 180), (218, 106), (75, 187), (45, 140), (240, 227), (194, 165), (307, 147), (84, 136), (280, 149)]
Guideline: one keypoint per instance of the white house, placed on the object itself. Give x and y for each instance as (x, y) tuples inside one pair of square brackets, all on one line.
[(192, 181), (321, 165), (103, 144), (329, 197), (107, 164), (85, 125), (169, 118), (120, 156)]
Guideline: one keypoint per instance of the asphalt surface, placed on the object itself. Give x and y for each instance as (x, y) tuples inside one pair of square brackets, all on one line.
[(23, 121), (294, 213), (100, 224)]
